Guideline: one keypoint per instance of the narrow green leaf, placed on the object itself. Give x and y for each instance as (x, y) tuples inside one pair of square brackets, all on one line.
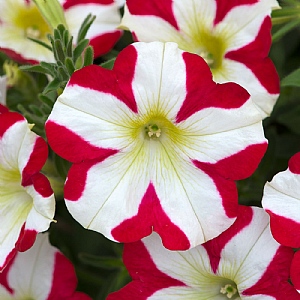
[(34, 68), (69, 47), (69, 65), (285, 29), (109, 64), (58, 48), (36, 110), (79, 49), (88, 56), (104, 262), (51, 67), (85, 26), (292, 79), (41, 43), (47, 101), (52, 86)]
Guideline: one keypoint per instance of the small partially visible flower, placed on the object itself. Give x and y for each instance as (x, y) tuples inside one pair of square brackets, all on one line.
[(26, 199), (41, 273), (20, 20), (281, 200), (232, 36), (244, 262), (155, 145), (3, 83)]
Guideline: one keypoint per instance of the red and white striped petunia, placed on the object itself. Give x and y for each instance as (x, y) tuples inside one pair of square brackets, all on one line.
[(244, 262), (155, 144), (41, 273), (232, 36), (20, 20), (281, 200), (27, 203)]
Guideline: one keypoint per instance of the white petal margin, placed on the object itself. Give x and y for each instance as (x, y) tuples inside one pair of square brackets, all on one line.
[(19, 204), (244, 259), (107, 18), (282, 195)]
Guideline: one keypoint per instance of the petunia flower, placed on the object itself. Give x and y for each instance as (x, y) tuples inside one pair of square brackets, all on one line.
[(41, 273), (20, 20), (232, 36), (26, 199), (155, 145), (281, 200), (244, 262)]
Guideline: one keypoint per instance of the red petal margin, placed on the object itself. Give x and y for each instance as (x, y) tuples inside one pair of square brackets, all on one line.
[(4, 276), (294, 163), (26, 239), (147, 278), (102, 44), (69, 3), (71, 146), (254, 57), (285, 231), (9, 119), (162, 9), (36, 161), (151, 217), (274, 281), (226, 188), (3, 109), (76, 179), (242, 164), (223, 7), (203, 92), (17, 57), (215, 246), (117, 82), (295, 270), (64, 280)]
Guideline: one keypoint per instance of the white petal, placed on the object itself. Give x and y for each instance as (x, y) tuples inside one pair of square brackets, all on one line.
[(31, 273), (113, 191), (162, 92), (80, 109)]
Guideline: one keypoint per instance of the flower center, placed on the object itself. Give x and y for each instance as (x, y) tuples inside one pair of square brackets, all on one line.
[(229, 290), (29, 19), (153, 131)]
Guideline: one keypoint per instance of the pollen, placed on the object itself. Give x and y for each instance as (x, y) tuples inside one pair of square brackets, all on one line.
[(153, 131), (228, 290)]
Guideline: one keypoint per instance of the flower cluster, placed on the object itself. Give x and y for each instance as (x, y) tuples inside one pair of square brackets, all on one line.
[(155, 144)]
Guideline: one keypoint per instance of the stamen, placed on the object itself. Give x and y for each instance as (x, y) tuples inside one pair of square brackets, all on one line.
[(153, 131), (228, 290), (33, 32)]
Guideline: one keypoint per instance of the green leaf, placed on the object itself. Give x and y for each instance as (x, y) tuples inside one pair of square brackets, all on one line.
[(41, 43), (88, 56), (109, 64), (285, 29), (104, 262), (58, 48), (52, 85), (34, 68), (85, 26), (79, 49), (292, 79), (69, 65)]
